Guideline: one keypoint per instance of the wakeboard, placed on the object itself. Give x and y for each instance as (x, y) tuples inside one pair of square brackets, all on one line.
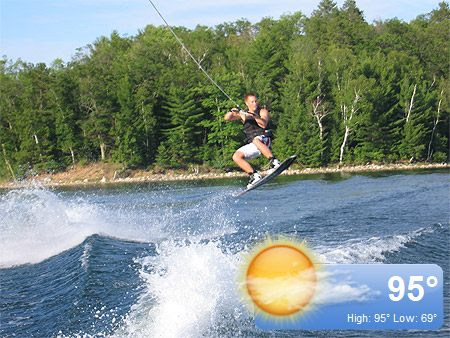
[(283, 166)]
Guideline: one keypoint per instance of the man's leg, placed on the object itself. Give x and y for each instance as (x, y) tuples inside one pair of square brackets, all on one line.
[(239, 158), (263, 147), (265, 150)]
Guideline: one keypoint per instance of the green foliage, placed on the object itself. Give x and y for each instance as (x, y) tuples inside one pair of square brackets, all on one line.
[(222, 138), (183, 135), (338, 89)]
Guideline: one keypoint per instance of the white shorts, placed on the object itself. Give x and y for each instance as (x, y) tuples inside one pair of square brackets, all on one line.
[(251, 151)]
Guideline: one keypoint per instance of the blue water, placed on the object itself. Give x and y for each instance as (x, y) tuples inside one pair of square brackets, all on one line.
[(161, 259)]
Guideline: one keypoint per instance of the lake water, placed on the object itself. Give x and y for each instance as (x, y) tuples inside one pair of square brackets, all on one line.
[(161, 259)]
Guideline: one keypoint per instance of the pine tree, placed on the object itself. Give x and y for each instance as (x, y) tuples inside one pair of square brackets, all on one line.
[(182, 138)]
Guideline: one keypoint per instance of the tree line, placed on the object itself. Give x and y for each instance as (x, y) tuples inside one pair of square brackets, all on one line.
[(339, 90)]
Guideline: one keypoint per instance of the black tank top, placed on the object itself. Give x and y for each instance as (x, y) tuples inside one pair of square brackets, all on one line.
[(252, 129)]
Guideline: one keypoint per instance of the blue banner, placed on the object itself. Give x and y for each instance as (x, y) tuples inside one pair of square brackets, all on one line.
[(368, 297)]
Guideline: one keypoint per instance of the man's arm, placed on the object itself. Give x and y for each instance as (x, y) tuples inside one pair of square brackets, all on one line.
[(263, 118), (234, 114)]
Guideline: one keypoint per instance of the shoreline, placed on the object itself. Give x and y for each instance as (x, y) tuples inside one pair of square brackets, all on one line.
[(100, 174)]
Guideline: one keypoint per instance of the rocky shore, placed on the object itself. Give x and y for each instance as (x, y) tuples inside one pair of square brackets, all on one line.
[(110, 173)]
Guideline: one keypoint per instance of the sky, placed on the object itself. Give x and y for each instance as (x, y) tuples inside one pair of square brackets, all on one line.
[(44, 30)]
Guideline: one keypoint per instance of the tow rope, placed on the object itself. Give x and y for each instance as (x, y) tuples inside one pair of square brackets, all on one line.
[(192, 57)]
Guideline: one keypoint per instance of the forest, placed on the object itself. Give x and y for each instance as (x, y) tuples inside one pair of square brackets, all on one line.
[(339, 90)]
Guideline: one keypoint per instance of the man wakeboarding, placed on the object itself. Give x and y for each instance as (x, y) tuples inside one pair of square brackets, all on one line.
[(255, 122)]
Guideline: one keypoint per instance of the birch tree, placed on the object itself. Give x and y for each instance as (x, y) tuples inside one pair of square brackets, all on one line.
[(441, 115), (319, 112), (349, 112), (346, 92)]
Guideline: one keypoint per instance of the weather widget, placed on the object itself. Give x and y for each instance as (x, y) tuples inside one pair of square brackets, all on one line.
[(286, 290)]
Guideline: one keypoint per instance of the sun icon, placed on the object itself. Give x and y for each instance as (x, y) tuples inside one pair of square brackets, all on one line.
[(279, 277)]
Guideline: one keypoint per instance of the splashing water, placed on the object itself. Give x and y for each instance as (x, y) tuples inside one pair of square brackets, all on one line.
[(35, 224), (190, 291)]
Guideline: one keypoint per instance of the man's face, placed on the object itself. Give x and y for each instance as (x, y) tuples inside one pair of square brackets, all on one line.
[(252, 103)]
